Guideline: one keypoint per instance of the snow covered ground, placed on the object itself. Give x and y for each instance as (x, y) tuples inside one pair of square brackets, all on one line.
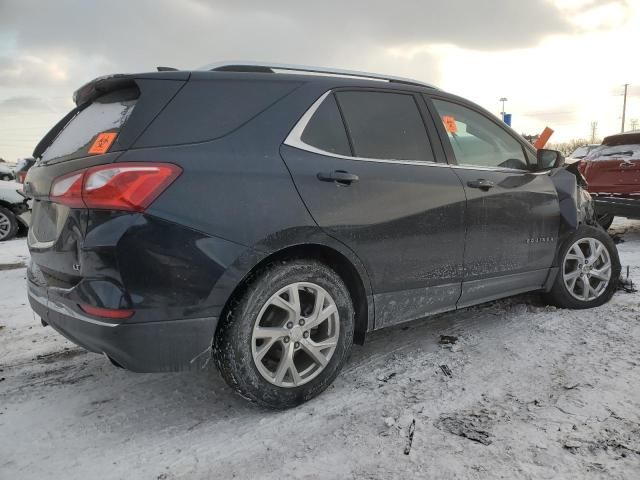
[(533, 392)]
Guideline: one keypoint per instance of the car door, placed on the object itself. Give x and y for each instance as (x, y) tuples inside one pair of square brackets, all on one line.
[(512, 215), (367, 170)]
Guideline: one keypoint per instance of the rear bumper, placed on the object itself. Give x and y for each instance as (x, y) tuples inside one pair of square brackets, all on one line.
[(618, 206), (158, 346)]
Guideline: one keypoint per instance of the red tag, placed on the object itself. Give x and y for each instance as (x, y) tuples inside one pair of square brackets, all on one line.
[(102, 143), (450, 123), (543, 138)]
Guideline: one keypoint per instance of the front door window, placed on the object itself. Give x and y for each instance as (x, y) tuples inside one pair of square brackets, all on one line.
[(477, 140)]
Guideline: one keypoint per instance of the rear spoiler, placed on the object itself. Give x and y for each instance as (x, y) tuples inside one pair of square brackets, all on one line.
[(108, 83), (101, 85)]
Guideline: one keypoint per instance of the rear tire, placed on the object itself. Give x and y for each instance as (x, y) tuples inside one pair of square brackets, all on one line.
[(8, 224), (278, 351), (584, 280)]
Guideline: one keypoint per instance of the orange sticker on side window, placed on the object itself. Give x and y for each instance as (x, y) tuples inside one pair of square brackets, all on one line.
[(450, 123), (102, 143)]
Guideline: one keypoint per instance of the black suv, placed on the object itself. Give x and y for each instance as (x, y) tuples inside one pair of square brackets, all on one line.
[(270, 216)]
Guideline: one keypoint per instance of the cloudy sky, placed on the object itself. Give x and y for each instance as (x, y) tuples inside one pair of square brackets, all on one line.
[(560, 63)]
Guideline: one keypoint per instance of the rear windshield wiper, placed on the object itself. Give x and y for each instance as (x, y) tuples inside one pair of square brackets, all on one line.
[(628, 152)]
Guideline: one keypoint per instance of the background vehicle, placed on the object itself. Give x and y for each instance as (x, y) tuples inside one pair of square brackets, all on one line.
[(580, 152), (612, 172), (22, 167), (279, 217), (6, 172), (14, 210)]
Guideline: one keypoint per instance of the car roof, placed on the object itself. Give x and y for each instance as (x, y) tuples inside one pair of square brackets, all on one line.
[(626, 138)]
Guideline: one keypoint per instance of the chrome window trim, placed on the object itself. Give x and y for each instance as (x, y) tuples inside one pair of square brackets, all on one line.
[(294, 139), (490, 169)]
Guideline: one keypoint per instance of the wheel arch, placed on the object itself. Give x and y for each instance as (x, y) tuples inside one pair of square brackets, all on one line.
[(7, 205), (333, 258)]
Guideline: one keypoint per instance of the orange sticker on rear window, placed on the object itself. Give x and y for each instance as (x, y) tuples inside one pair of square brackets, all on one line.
[(103, 142), (450, 123)]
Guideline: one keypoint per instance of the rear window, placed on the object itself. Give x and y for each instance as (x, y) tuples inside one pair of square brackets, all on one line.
[(617, 152), (108, 113), (385, 126), (580, 152), (325, 130)]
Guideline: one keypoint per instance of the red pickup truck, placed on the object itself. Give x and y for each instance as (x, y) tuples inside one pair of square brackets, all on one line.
[(612, 171)]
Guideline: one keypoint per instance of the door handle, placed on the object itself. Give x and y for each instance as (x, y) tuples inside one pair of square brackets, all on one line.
[(481, 183), (626, 164), (338, 176)]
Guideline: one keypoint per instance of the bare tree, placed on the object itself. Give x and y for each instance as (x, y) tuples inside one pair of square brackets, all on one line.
[(566, 148)]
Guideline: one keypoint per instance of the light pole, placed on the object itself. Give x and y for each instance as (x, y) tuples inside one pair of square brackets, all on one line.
[(624, 106), (594, 128), (503, 99)]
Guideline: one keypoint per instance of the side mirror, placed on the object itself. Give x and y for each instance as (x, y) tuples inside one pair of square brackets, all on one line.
[(548, 159)]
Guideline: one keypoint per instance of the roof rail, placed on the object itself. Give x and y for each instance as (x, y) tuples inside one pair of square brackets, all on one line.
[(266, 67)]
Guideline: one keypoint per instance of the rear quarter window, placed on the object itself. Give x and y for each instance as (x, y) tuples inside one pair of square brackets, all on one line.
[(209, 109), (325, 130)]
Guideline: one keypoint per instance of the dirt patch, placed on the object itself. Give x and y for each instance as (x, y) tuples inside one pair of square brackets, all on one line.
[(65, 354), (470, 424)]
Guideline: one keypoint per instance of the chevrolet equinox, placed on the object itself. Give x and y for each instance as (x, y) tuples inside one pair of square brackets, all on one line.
[(269, 216)]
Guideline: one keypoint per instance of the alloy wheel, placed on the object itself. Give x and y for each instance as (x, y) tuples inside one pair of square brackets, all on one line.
[(586, 269), (295, 335), (5, 226)]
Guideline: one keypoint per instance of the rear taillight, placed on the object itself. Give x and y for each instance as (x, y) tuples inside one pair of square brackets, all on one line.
[(121, 186), (68, 190), (22, 176)]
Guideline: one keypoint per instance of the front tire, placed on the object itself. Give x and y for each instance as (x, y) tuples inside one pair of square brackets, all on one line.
[(589, 269), (287, 337)]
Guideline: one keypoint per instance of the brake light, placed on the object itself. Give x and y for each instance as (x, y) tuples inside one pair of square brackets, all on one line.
[(122, 186), (68, 190), (22, 176), (106, 312)]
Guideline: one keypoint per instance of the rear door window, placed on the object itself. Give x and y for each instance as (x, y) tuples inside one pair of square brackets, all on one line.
[(108, 113), (325, 130), (385, 125)]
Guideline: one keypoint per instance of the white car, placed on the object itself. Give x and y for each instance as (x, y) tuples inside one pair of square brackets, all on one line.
[(6, 171), (15, 210)]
